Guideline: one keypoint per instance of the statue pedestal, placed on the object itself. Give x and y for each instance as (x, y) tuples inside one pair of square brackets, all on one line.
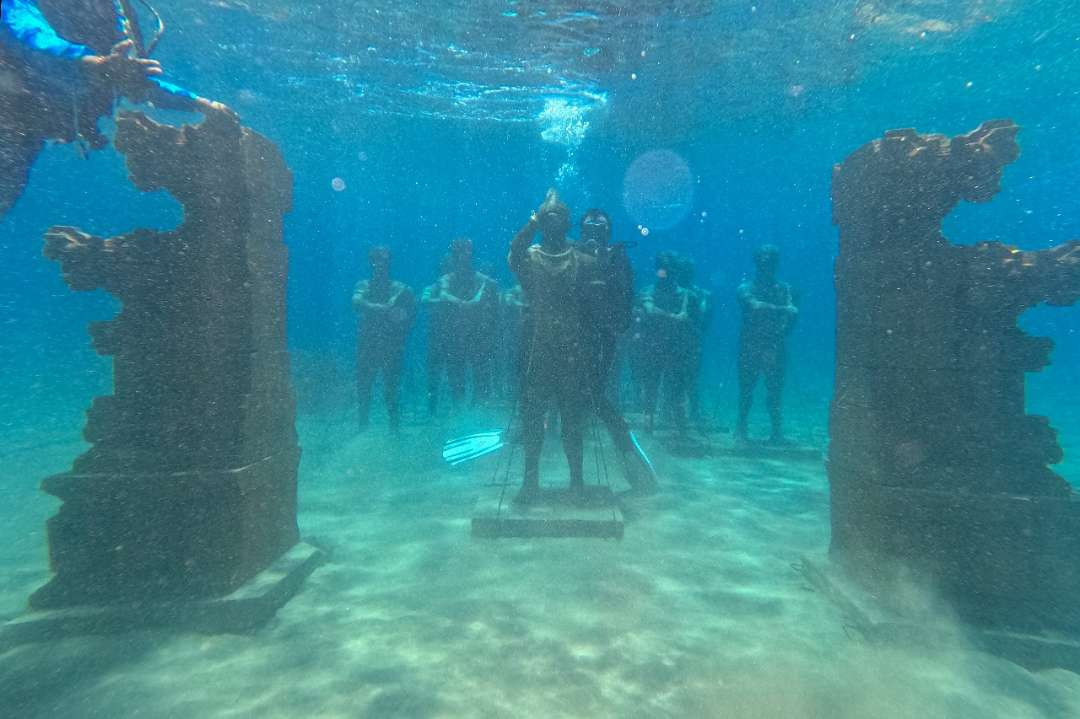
[(243, 610), (1001, 560), (146, 537), (551, 515)]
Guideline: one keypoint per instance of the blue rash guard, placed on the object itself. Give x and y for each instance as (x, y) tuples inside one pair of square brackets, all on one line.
[(53, 60)]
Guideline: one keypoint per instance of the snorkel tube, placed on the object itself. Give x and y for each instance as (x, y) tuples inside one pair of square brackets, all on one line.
[(129, 22)]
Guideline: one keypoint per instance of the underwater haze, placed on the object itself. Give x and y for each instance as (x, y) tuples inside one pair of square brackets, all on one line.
[(703, 127)]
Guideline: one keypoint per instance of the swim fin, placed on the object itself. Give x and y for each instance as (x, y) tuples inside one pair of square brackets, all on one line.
[(464, 449), (637, 468)]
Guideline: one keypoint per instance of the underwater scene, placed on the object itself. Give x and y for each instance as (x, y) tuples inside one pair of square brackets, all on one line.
[(509, 358)]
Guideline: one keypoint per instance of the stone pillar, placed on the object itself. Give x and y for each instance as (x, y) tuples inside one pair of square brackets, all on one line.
[(189, 489), (934, 466)]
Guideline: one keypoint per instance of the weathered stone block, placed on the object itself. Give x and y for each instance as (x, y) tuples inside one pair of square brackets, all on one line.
[(189, 489), (934, 465)]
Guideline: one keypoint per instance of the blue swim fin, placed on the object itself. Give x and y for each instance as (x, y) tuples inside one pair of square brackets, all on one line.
[(464, 449), (638, 469)]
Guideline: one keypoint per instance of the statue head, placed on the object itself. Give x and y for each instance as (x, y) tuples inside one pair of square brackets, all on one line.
[(461, 254), (379, 259), (684, 270), (553, 216), (666, 266), (766, 261)]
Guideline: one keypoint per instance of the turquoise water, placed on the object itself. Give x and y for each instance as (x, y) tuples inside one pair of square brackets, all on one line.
[(452, 119)]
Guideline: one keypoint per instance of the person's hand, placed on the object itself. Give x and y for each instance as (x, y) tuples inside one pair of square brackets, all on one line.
[(120, 70)]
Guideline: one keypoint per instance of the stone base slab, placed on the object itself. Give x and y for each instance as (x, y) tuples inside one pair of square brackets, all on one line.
[(876, 624), (243, 610), (551, 515)]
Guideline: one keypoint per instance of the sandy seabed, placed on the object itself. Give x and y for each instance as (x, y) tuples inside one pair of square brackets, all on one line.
[(697, 612)]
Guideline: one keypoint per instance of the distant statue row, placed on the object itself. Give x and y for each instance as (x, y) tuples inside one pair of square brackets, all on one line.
[(556, 336)]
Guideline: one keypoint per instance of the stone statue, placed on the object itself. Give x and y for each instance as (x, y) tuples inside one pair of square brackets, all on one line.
[(189, 488), (933, 463)]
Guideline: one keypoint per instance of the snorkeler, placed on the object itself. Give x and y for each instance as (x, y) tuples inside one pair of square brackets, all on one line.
[(469, 303), (63, 65), (386, 310), (557, 279), (611, 316), (769, 313), (667, 329)]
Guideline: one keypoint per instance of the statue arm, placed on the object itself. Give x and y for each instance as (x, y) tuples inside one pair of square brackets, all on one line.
[(519, 246), (648, 305), (430, 295), (747, 299), (484, 293), (362, 304), (405, 299)]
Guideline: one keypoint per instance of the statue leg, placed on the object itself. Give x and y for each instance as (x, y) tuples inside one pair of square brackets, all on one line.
[(455, 370), (392, 384), (748, 373), (774, 390), (532, 435), (572, 413), (366, 367), (435, 362), (651, 372)]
